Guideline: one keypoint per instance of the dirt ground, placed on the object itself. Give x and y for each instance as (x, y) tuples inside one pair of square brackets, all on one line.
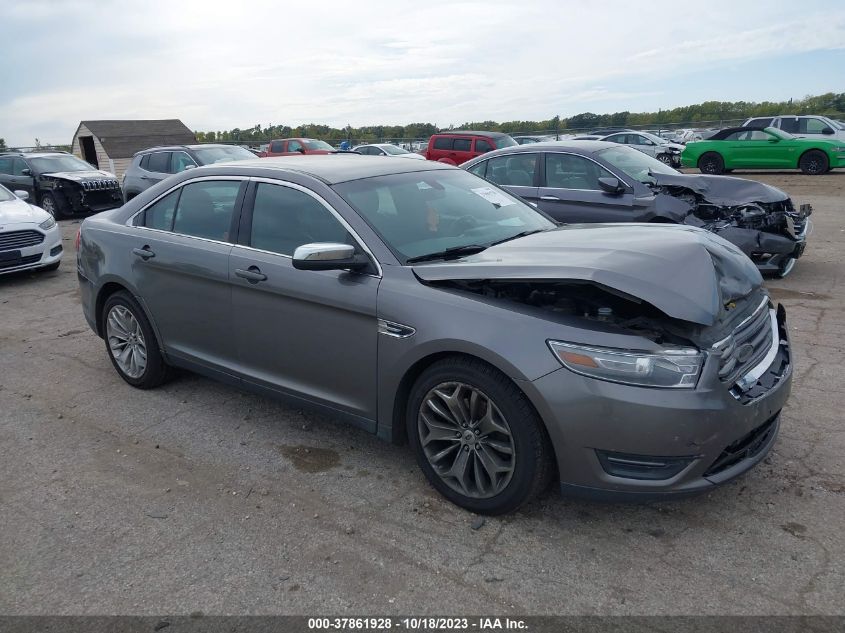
[(197, 497)]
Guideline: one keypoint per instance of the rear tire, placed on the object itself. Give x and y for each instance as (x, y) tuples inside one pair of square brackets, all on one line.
[(711, 163), (814, 162), (477, 438), (131, 343)]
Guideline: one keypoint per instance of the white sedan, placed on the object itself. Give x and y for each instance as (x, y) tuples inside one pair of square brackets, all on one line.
[(385, 149), (29, 236)]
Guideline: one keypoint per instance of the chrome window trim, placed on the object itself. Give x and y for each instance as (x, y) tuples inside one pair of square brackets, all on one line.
[(131, 219), (328, 207)]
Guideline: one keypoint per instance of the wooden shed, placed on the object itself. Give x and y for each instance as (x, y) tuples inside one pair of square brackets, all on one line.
[(109, 145)]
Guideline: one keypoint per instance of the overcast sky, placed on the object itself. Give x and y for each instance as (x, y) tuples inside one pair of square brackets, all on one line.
[(219, 65)]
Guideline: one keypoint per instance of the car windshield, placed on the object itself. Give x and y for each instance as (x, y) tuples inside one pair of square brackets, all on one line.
[(658, 140), (211, 155), (47, 164), (424, 213), (312, 144), (634, 163), (504, 141), (393, 150), (5, 194)]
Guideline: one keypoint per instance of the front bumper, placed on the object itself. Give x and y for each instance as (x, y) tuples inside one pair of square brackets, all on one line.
[(47, 252), (706, 436)]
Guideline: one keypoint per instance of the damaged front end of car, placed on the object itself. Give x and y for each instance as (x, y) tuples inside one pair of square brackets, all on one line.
[(761, 220), (82, 194)]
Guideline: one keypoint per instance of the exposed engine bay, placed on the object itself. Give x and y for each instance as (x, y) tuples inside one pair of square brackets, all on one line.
[(574, 302)]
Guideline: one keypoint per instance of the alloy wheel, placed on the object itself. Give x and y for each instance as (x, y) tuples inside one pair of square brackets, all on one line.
[(126, 341), (49, 205), (466, 440)]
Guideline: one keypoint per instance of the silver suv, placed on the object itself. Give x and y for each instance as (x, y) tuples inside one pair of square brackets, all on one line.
[(806, 126), (153, 165)]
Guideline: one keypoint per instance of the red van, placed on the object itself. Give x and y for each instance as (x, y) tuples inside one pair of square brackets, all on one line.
[(458, 146)]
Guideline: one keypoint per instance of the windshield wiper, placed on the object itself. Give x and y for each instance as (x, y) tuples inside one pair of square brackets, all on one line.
[(455, 251), (518, 235)]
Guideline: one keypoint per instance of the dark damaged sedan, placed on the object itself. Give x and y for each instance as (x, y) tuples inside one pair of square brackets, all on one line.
[(423, 304), (593, 181)]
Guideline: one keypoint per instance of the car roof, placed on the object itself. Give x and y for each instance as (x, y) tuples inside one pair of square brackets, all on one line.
[(470, 133), (35, 154), (170, 148), (328, 168), (580, 147)]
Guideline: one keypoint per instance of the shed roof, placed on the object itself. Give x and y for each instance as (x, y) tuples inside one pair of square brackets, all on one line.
[(121, 139)]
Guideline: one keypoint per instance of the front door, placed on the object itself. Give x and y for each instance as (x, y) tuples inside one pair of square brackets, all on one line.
[(570, 192), (303, 333), (181, 269)]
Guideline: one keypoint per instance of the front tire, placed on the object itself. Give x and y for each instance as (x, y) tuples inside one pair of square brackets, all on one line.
[(814, 162), (477, 438), (666, 159), (131, 343), (53, 205), (711, 163)]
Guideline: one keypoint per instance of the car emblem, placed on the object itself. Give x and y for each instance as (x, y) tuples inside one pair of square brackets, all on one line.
[(744, 352)]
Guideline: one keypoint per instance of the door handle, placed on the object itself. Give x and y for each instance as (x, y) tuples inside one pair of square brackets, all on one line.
[(144, 253), (144, 177), (252, 274), (550, 198)]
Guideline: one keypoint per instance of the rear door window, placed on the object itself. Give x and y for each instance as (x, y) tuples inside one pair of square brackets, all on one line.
[(277, 147), (462, 144), (294, 146), (159, 162), (789, 124), (159, 215), (516, 170), (205, 209)]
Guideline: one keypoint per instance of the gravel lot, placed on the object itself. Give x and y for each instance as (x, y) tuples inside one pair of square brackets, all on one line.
[(197, 497)]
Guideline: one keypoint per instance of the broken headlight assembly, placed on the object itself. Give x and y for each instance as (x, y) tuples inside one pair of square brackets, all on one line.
[(672, 367)]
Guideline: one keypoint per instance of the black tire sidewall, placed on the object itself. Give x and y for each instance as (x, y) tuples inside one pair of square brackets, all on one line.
[(57, 212), (717, 161), (520, 417), (822, 158), (155, 371)]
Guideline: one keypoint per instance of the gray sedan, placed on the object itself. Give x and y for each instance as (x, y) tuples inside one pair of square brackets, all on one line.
[(423, 304)]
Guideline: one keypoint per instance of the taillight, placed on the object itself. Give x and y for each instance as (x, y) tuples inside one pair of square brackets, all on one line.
[(78, 236)]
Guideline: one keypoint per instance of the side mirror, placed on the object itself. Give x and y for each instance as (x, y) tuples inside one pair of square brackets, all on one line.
[(611, 185), (827, 130), (28, 172), (189, 167), (23, 195), (328, 256)]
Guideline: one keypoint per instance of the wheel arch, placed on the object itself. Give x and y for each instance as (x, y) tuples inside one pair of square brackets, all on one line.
[(399, 434), (106, 290), (812, 149)]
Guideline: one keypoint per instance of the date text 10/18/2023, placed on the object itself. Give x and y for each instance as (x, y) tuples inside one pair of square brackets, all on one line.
[(480, 624)]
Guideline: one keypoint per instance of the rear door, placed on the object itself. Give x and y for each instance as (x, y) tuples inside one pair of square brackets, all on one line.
[(181, 268), (569, 191), (303, 333), (155, 167), (517, 172)]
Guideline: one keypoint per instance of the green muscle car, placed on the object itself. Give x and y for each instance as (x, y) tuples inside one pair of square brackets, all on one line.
[(763, 148)]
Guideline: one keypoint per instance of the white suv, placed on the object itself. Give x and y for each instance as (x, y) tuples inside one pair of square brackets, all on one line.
[(808, 126)]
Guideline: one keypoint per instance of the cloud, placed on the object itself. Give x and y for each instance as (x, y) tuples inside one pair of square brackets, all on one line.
[(223, 65)]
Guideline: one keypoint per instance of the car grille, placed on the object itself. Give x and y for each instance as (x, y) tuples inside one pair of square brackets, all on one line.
[(745, 447), (14, 240), (97, 185), (21, 261), (746, 346)]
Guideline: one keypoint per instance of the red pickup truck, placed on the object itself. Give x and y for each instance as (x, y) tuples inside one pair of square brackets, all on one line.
[(296, 146)]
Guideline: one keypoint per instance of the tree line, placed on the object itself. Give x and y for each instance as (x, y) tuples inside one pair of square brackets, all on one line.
[(710, 112)]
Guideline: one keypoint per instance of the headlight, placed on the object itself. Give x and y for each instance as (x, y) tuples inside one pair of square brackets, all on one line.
[(672, 368), (48, 224)]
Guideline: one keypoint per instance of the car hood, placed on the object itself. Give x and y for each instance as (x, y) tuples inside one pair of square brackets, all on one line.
[(19, 212), (723, 190), (80, 176), (686, 272)]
